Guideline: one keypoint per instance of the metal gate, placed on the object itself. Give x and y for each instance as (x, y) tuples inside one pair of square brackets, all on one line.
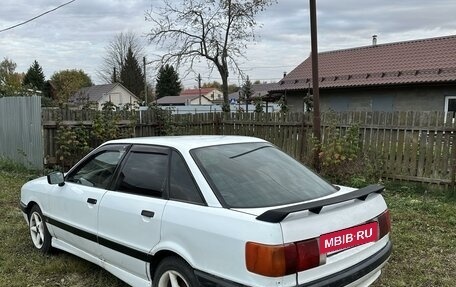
[(21, 137)]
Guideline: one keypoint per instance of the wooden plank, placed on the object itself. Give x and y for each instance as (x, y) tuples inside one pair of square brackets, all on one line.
[(437, 166), (446, 156), (393, 142), (420, 179), (421, 153), (400, 158), (429, 157)]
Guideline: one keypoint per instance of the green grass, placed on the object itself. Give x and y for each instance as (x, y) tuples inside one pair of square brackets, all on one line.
[(20, 264), (424, 238)]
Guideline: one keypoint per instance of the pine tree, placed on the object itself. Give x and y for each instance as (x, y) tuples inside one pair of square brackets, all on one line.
[(34, 78), (131, 75), (168, 83), (247, 92)]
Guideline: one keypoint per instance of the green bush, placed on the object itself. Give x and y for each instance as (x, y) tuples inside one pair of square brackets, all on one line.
[(343, 161), (72, 144)]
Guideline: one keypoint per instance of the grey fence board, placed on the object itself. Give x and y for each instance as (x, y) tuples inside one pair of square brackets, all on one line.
[(21, 137)]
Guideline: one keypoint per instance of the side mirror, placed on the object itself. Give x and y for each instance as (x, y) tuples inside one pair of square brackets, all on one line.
[(56, 178)]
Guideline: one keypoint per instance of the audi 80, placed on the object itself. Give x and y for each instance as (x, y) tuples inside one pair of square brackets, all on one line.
[(209, 211)]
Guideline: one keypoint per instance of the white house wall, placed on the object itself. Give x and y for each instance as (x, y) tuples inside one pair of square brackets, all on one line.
[(214, 95), (118, 96), (204, 101)]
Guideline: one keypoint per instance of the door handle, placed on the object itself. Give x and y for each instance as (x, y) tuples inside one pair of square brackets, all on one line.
[(147, 213), (91, 200)]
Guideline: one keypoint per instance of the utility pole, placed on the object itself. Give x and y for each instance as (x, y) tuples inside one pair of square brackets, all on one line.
[(199, 87), (315, 87), (145, 81)]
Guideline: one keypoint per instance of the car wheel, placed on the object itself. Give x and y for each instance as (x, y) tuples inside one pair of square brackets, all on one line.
[(38, 231), (174, 272)]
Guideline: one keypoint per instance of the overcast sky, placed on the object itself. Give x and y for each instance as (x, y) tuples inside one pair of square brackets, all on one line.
[(75, 36)]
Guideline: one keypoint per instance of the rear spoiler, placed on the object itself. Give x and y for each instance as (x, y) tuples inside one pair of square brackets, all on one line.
[(277, 215)]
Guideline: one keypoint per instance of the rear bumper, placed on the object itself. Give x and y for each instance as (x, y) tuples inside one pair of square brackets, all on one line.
[(208, 280), (341, 278), (355, 272)]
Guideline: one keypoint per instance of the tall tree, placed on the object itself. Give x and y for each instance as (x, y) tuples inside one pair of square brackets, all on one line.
[(216, 30), (131, 75), (34, 78), (116, 53), (168, 83), (68, 82), (10, 80)]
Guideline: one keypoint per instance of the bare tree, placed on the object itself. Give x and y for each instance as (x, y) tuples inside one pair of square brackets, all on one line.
[(215, 30), (116, 52)]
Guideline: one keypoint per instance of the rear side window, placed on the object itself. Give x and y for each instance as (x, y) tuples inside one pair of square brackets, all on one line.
[(181, 184), (258, 175), (144, 174)]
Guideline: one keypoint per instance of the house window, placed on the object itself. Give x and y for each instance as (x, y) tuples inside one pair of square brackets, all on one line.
[(382, 103), (339, 104), (450, 106)]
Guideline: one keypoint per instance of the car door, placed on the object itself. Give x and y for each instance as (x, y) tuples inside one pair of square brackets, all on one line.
[(74, 206), (129, 218)]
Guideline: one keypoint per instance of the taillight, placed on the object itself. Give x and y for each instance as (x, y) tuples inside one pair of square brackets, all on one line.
[(384, 223), (308, 254), (270, 260), (281, 260)]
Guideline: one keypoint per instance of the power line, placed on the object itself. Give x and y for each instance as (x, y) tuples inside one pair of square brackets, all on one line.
[(36, 17), (255, 67), (187, 81)]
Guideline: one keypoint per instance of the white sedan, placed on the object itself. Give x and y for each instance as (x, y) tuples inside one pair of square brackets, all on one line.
[(209, 211)]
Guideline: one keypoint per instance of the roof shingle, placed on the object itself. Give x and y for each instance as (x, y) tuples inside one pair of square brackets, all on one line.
[(419, 61)]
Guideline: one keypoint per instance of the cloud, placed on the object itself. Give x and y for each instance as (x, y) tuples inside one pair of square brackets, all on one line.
[(75, 35)]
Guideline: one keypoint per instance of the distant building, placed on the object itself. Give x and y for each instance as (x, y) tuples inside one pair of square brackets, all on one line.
[(188, 100), (260, 91), (417, 75), (212, 94), (96, 96)]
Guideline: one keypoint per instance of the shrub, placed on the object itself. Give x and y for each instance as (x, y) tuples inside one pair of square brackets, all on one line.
[(72, 144), (343, 161)]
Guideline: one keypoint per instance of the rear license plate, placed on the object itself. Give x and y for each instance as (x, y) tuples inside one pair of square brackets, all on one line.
[(349, 237)]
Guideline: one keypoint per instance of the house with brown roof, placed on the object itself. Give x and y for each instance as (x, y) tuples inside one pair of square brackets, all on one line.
[(212, 94), (417, 75)]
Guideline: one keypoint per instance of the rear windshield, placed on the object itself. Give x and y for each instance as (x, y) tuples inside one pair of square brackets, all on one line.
[(252, 175)]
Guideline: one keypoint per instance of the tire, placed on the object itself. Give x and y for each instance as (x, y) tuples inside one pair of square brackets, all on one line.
[(174, 272), (39, 233)]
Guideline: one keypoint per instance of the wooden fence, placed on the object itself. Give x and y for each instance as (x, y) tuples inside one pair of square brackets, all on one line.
[(129, 124), (416, 146)]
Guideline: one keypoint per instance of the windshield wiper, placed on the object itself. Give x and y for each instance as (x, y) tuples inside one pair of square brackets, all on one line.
[(247, 152)]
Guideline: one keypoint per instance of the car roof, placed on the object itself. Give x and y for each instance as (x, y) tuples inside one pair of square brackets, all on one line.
[(187, 142)]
